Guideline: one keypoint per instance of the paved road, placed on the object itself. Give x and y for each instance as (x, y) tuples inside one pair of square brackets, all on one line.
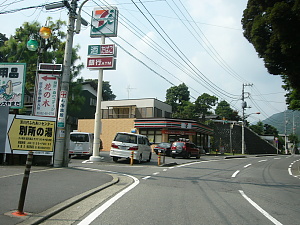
[(212, 190)]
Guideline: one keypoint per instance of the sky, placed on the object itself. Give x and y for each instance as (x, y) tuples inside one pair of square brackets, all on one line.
[(162, 43)]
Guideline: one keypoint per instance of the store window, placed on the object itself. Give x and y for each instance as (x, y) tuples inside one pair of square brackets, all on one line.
[(154, 136)]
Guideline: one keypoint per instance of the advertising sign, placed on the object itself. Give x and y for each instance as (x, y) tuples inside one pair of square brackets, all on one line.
[(104, 22), (101, 62), (105, 49), (31, 134), (62, 109), (12, 82), (46, 95)]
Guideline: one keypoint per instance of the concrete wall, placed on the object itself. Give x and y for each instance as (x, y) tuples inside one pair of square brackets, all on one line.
[(109, 128)]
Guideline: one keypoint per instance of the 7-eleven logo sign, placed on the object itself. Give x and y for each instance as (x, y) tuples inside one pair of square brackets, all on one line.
[(104, 22)]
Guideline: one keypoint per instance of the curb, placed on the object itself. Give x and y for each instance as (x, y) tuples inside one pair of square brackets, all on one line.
[(232, 157), (38, 218)]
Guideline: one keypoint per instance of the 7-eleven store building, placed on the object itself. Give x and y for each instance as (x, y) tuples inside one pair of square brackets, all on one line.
[(149, 117), (169, 130)]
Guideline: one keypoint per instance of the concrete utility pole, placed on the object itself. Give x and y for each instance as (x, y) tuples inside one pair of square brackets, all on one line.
[(60, 156), (244, 106)]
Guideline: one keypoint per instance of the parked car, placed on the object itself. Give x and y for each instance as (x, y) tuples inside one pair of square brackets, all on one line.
[(202, 151), (184, 149), (124, 143), (163, 148)]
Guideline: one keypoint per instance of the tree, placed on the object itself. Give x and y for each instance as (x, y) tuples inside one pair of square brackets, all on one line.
[(258, 128), (185, 111), (3, 39), (51, 51), (223, 109), (270, 130), (273, 29), (204, 103), (107, 94), (176, 95)]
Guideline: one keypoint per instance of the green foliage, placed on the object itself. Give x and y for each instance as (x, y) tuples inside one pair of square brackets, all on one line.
[(273, 29), (204, 103), (51, 50), (264, 129), (176, 95), (293, 138), (258, 128), (185, 111), (223, 110), (107, 94)]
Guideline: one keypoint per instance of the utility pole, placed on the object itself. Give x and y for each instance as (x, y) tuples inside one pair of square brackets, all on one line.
[(244, 106), (60, 145)]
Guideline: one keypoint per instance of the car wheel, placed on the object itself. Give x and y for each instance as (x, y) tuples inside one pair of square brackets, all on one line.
[(115, 159), (140, 159), (173, 157), (150, 155), (198, 156)]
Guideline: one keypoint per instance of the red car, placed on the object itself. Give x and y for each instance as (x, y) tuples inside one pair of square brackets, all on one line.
[(185, 149), (163, 148)]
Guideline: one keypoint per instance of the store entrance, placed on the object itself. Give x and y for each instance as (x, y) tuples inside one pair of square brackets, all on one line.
[(175, 137)]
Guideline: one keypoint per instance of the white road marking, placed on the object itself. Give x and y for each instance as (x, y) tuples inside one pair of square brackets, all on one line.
[(145, 178), (156, 173), (87, 161), (90, 218), (235, 173), (247, 165), (264, 160), (165, 170), (290, 171), (260, 209)]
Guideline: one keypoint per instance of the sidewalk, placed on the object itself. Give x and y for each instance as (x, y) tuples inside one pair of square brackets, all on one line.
[(49, 190)]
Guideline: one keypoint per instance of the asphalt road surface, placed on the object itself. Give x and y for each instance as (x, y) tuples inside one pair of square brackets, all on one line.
[(212, 190)]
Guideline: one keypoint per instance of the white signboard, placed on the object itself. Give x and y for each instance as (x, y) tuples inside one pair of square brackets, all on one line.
[(104, 22), (12, 82), (46, 95), (62, 109)]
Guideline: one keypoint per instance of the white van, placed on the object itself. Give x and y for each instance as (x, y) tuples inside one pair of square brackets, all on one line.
[(124, 143), (81, 143)]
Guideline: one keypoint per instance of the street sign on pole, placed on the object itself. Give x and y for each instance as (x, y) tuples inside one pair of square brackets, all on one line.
[(46, 95), (101, 62), (104, 22), (105, 49)]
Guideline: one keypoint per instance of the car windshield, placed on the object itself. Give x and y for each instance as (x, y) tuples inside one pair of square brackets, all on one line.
[(164, 145), (127, 138), (178, 144), (79, 137)]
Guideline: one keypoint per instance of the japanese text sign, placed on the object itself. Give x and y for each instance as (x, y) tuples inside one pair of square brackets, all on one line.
[(46, 95), (104, 62), (105, 49), (12, 82), (32, 135)]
